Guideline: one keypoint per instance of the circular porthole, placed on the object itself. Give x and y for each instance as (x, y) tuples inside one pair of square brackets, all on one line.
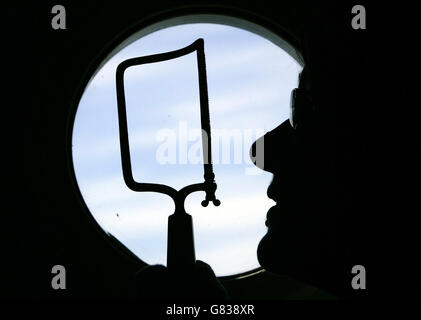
[(250, 74)]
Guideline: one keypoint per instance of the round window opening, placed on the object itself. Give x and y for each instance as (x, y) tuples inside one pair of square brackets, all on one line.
[(250, 74)]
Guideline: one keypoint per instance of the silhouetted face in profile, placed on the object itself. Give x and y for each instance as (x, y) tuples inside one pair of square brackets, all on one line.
[(300, 239)]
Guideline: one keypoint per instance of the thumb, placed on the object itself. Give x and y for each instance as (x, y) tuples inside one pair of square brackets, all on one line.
[(152, 282)]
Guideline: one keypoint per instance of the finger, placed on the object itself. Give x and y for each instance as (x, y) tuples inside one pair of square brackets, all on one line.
[(152, 282), (204, 268)]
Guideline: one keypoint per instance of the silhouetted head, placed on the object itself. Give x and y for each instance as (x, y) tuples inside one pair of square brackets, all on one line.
[(301, 240)]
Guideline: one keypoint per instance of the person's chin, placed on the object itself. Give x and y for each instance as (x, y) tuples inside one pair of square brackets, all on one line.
[(271, 253), (266, 253), (285, 248), (274, 247)]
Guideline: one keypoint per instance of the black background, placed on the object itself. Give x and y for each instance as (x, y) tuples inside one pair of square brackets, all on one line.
[(368, 72)]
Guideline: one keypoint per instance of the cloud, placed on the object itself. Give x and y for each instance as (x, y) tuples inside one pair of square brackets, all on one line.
[(107, 147), (245, 73), (225, 58), (143, 215), (226, 237)]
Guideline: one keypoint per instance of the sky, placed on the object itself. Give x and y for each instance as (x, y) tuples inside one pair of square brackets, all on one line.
[(249, 84)]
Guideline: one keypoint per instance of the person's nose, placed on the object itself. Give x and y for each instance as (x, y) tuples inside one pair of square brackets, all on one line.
[(271, 151)]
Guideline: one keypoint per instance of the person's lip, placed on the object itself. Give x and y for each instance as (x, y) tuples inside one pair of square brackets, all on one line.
[(271, 192), (271, 215), (273, 212)]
